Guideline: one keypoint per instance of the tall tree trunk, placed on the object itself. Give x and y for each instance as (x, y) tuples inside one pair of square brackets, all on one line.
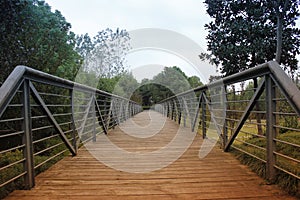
[(280, 18), (279, 38)]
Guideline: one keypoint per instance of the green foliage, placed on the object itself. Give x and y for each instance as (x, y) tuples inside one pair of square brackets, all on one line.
[(152, 93), (172, 78), (17, 169), (293, 137), (108, 84), (287, 182), (288, 121), (32, 35), (171, 81), (126, 85), (243, 33), (255, 165), (194, 81), (44, 156), (10, 172)]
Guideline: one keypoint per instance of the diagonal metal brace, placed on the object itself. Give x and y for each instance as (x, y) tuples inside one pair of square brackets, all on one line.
[(86, 113), (101, 118), (39, 100), (246, 114), (197, 112), (213, 116)]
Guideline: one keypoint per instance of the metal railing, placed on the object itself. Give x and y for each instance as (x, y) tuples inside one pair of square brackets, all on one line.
[(260, 120), (43, 117)]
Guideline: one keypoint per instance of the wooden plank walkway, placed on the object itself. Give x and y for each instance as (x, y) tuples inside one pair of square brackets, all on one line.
[(217, 176)]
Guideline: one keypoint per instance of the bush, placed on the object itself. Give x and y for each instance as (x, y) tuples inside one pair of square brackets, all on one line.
[(10, 172), (284, 180), (15, 170)]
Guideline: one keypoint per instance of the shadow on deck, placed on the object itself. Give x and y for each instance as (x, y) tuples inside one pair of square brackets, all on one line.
[(217, 176)]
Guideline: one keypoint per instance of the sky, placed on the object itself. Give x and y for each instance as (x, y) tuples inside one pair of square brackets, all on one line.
[(186, 18), (181, 19)]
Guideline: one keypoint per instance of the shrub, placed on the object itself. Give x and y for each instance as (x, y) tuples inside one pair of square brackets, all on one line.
[(284, 180)]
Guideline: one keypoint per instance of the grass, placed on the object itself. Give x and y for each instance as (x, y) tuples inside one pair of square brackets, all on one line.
[(10, 172), (17, 169), (284, 180)]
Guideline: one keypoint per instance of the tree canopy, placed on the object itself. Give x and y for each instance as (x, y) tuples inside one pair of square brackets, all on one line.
[(32, 35), (104, 54), (245, 33), (169, 82)]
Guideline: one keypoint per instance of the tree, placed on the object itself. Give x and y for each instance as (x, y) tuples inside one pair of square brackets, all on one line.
[(104, 55), (174, 79), (84, 45), (169, 82), (213, 78), (32, 35), (126, 85), (194, 81), (245, 33), (152, 93)]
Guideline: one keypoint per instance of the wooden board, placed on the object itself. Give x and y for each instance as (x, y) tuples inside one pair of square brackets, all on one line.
[(217, 176)]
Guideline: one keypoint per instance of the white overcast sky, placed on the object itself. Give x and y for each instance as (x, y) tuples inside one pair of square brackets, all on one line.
[(186, 17)]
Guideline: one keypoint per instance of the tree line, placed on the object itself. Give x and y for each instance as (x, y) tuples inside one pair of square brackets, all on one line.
[(32, 35), (169, 82), (241, 35)]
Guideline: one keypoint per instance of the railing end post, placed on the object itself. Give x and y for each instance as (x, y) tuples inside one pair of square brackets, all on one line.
[(270, 130), (27, 138)]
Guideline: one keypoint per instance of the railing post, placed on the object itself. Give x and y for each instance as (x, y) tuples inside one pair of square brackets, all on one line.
[(270, 129), (203, 117), (27, 137), (175, 110), (172, 110), (225, 130), (115, 109), (71, 93), (120, 111), (185, 112), (197, 113), (130, 109), (168, 106), (94, 117), (167, 109), (124, 110), (111, 119), (180, 111)]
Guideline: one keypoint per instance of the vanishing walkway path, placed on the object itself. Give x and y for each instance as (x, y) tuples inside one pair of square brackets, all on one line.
[(217, 176)]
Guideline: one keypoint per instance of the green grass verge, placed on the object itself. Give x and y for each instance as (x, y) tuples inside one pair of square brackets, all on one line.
[(17, 169), (284, 180)]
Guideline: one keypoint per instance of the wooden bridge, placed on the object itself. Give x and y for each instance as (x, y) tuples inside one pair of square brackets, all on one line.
[(217, 176), (119, 152)]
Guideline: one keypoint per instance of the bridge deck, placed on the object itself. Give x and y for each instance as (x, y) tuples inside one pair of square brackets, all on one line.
[(217, 176)]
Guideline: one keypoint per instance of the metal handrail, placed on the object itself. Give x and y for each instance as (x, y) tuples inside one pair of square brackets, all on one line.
[(275, 85), (31, 124)]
